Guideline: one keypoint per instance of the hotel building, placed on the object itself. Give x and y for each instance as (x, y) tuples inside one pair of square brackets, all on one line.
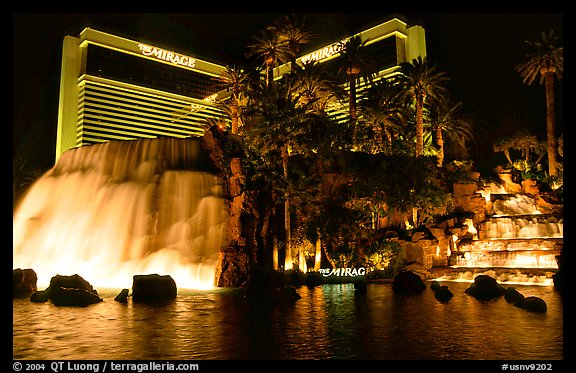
[(112, 88)]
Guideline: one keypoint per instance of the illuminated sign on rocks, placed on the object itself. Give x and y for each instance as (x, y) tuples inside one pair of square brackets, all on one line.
[(343, 272)]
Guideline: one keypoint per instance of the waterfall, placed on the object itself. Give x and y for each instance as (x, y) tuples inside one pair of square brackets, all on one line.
[(516, 243), (113, 210)]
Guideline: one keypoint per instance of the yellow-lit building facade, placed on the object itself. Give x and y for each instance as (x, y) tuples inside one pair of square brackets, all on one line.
[(388, 44), (113, 88)]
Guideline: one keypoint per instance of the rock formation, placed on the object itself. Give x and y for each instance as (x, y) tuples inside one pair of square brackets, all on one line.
[(153, 288)]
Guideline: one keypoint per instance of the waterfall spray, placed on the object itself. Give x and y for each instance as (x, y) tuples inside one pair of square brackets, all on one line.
[(113, 210)]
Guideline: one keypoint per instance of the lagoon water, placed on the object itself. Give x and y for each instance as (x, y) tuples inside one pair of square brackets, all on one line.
[(331, 321)]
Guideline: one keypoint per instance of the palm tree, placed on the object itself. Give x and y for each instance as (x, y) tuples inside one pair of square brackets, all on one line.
[(277, 119), (383, 111), (317, 88), (357, 65), (235, 80), (447, 120), (545, 60), (294, 35), (421, 82), (271, 48)]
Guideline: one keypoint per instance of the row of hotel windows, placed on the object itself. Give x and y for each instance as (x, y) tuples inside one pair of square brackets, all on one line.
[(111, 64)]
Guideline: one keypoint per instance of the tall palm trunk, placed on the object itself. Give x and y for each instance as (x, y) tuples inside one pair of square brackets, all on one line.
[(419, 125), (288, 265), (269, 71), (550, 122), (234, 112), (440, 141), (352, 97)]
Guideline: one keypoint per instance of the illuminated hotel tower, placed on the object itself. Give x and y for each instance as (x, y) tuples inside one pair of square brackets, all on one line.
[(115, 88), (112, 88), (389, 44)]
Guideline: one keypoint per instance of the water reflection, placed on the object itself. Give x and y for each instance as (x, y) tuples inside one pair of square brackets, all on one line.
[(328, 322)]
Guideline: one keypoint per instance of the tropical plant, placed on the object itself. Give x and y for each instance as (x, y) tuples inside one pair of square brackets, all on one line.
[(384, 259), (235, 81), (277, 117), (449, 126), (357, 65), (383, 114), (545, 61), (294, 35), (270, 47), (421, 83)]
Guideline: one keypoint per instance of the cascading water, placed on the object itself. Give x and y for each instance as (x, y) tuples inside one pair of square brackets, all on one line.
[(516, 244), (113, 210)]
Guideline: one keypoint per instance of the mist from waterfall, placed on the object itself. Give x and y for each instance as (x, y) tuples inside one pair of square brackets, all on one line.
[(114, 210)]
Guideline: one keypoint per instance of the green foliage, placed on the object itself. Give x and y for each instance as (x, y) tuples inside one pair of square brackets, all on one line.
[(460, 172), (384, 259), (530, 170), (404, 183)]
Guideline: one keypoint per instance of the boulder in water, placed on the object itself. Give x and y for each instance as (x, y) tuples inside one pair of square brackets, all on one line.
[(441, 292), (40, 296), (23, 282), (534, 304), (153, 288), (512, 295), (61, 296), (485, 287), (408, 283), (269, 288), (122, 297), (68, 291)]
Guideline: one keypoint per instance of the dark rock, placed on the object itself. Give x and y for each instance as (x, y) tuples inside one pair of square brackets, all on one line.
[(435, 285), (23, 282), (269, 288), (68, 291), (443, 294), (512, 295), (122, 297), (558, 277), (71, 282), (485, 287), (286, 295), (408, 283), (534, 304), (153, 288), (40, 296), (73, 297)]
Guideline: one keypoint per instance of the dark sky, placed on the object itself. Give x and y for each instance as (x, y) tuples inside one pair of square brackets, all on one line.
[(478, 51)]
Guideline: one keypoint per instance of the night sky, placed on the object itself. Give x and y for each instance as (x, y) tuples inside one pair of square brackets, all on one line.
[(478, 51)]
